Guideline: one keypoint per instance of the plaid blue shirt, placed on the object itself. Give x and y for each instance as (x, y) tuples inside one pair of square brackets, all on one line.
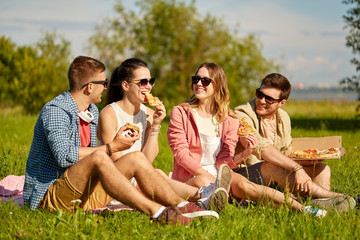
[(55, 145)]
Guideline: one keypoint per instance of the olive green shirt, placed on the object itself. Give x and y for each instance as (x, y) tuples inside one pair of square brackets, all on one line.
[(283, 130)]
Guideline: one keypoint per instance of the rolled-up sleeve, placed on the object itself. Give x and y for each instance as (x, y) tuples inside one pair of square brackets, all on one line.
[(229, 141), (179, 143), (58, 131)]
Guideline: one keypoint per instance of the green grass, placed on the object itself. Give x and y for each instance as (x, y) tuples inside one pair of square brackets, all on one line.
[(308, 119)]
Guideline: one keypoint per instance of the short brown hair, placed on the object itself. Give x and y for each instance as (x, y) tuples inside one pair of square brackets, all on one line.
[(278, 81), (82, 69)]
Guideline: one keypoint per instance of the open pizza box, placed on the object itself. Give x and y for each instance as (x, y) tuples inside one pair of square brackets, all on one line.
[(320, 143)]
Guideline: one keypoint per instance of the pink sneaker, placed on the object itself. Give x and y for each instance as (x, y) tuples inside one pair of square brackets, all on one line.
[(172, 215), (192, 210)]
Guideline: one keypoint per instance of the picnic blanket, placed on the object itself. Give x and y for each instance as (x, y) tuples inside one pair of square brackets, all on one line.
[(11, 190)]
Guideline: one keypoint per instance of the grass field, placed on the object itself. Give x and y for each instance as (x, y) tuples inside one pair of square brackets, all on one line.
[(311, 119)]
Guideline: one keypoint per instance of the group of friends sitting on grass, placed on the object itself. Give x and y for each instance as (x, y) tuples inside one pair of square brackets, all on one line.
[(80, 158)]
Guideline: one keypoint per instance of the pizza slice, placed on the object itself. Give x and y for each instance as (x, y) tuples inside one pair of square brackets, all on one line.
[(313, 153), (132, 128), (310, 153), (330, 153), (153, 101), (245, 128)]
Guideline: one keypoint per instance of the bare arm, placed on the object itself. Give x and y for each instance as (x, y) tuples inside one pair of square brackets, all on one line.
[(250, 142), (272, 155), (151, 145), (107, 134), (107, 127)]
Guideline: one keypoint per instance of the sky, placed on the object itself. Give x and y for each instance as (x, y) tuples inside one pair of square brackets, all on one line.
[(307, 37)]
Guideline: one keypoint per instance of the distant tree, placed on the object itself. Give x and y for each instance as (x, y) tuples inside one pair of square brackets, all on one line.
[(175, 39), (7, 66), (352, 20), (30, 76)]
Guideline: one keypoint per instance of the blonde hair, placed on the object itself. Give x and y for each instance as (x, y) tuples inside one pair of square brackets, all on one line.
[(221, 98)]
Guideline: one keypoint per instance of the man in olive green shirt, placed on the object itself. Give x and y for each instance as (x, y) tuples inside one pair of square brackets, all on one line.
[(273, 130)]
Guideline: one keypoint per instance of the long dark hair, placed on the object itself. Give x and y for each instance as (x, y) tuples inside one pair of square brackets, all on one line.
[(124, 72)]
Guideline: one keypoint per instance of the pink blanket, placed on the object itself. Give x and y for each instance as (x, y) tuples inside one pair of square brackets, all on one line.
[(11, 190)]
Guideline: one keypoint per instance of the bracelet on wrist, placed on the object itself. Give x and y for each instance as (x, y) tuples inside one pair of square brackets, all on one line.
[(241, 158), (297, 165), (154, 133), (108, 150), (297, 168), (155, 128)]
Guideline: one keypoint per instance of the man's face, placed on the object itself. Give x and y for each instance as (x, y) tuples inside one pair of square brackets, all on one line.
[(98, 88), (263, 107)]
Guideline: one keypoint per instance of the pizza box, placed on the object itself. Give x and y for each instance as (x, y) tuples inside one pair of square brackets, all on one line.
[(321, 143)]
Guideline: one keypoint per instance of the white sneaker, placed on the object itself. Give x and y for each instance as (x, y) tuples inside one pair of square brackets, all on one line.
[(315, 211), (223, 178), (216, 201), (215, 196), (341, 203)]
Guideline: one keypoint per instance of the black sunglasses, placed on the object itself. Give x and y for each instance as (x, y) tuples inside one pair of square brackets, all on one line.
[(143, 82), (103, 82), (268, 99), (205, 81)]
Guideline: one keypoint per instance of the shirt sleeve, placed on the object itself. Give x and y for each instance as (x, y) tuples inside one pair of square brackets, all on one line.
[(229, 141), (60, 133), (179, 144), (263, 142)]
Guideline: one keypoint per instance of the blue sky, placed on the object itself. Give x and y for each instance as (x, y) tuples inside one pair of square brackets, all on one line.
[(306, 37)]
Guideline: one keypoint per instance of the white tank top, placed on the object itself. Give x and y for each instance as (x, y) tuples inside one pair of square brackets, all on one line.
[(139, 120), (210, 142)]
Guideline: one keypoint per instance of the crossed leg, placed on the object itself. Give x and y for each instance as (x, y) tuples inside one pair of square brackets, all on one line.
[(114, 178), (184, 190), (320, 174), (272, 173), (242, 188)]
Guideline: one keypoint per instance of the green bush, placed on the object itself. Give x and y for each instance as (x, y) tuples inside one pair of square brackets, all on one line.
[(30, 76)]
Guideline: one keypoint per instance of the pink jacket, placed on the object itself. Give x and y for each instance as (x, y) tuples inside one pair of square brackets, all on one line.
[(184, 140)]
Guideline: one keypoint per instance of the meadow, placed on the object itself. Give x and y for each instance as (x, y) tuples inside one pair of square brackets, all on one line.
[(309, 119)]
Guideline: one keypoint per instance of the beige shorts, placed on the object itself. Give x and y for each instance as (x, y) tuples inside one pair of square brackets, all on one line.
[(62, 194)]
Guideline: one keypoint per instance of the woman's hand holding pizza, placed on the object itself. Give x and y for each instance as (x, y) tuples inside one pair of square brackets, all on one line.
[(250, 142), (159, 114)]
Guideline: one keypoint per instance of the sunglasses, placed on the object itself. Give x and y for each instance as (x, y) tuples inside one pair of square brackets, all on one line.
[(205, 81), (268, 99), (143, 82), (103, 82)]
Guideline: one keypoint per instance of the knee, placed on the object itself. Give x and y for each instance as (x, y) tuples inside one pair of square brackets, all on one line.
[(238, 182), (138, 159), (99, 157), (161, 172), (202, 180), (323, 169)]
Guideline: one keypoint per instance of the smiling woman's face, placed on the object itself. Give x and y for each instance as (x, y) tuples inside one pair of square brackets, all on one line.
[(201, 92)]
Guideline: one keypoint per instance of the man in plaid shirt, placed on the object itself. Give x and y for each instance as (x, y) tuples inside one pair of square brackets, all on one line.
[(65, 167)]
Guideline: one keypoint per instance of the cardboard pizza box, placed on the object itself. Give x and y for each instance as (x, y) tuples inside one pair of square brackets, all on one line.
[(321, 143)]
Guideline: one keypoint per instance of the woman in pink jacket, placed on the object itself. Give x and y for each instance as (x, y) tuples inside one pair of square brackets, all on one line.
[(202, 134)]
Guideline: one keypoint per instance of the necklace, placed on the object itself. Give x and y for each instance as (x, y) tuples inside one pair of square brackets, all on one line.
[(215, 123)]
